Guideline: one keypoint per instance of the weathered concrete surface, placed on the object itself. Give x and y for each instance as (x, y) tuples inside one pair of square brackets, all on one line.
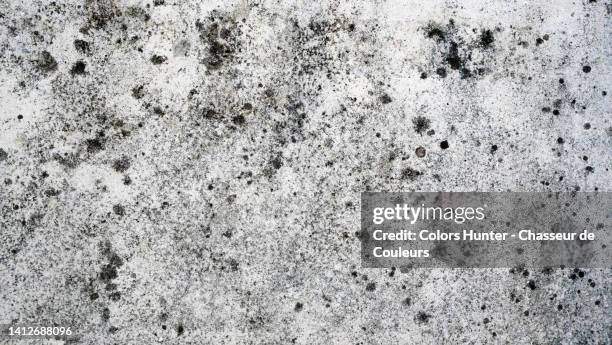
[(189, 172)]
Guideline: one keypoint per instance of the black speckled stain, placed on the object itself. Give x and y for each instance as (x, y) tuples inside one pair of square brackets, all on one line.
[(220, 32), (421, 124), (46, 62), (456, 50)]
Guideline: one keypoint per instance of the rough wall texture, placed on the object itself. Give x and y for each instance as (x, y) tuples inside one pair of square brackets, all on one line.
[(188, 172)]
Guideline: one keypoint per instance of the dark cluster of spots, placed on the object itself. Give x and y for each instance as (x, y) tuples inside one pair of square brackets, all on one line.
[(420, 152), (52, 192), (298, 307), (540, 40), (548, 110), (410, 174), (69, 160), (531, 284), (239, 120), (422, 317), (371, 286), (220, 33), (441, 71), (122, 164), (291, 127), (3, 155), (46, 62), (158, 59), (100, 12), (108, 271), (94, 145), (105, 314), (456, 53), (138, 91), (385, 99), (78, 68), (486, 38), (276, 162), (82, 46), (435, 32), (493, 149), (421, 124), (119, 210), (311, 43)]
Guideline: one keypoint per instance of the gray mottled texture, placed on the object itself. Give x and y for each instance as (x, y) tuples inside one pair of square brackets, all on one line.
[(188, 172)]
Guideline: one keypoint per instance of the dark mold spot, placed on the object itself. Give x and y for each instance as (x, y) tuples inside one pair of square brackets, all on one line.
[(298, 307), (122, 164), (82, 46), (435, 32), (105, 314), (452, 56), (100, 12), (586, 69), (118, 210), (493, 149), (422, 317), (138, 91), (410, 174), (108, 273), (94, 145), (441, 71), (276, 162), (239, 120), (3, 155), (180, 329), (420, 151), (444, 145), (371, 286), (385, 99), (220, 34), (78, 68), (209, 113), (532, 285), (68, 160), (52, 192), (486, 39), (421, 124), (158, 59), (46, 63)]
